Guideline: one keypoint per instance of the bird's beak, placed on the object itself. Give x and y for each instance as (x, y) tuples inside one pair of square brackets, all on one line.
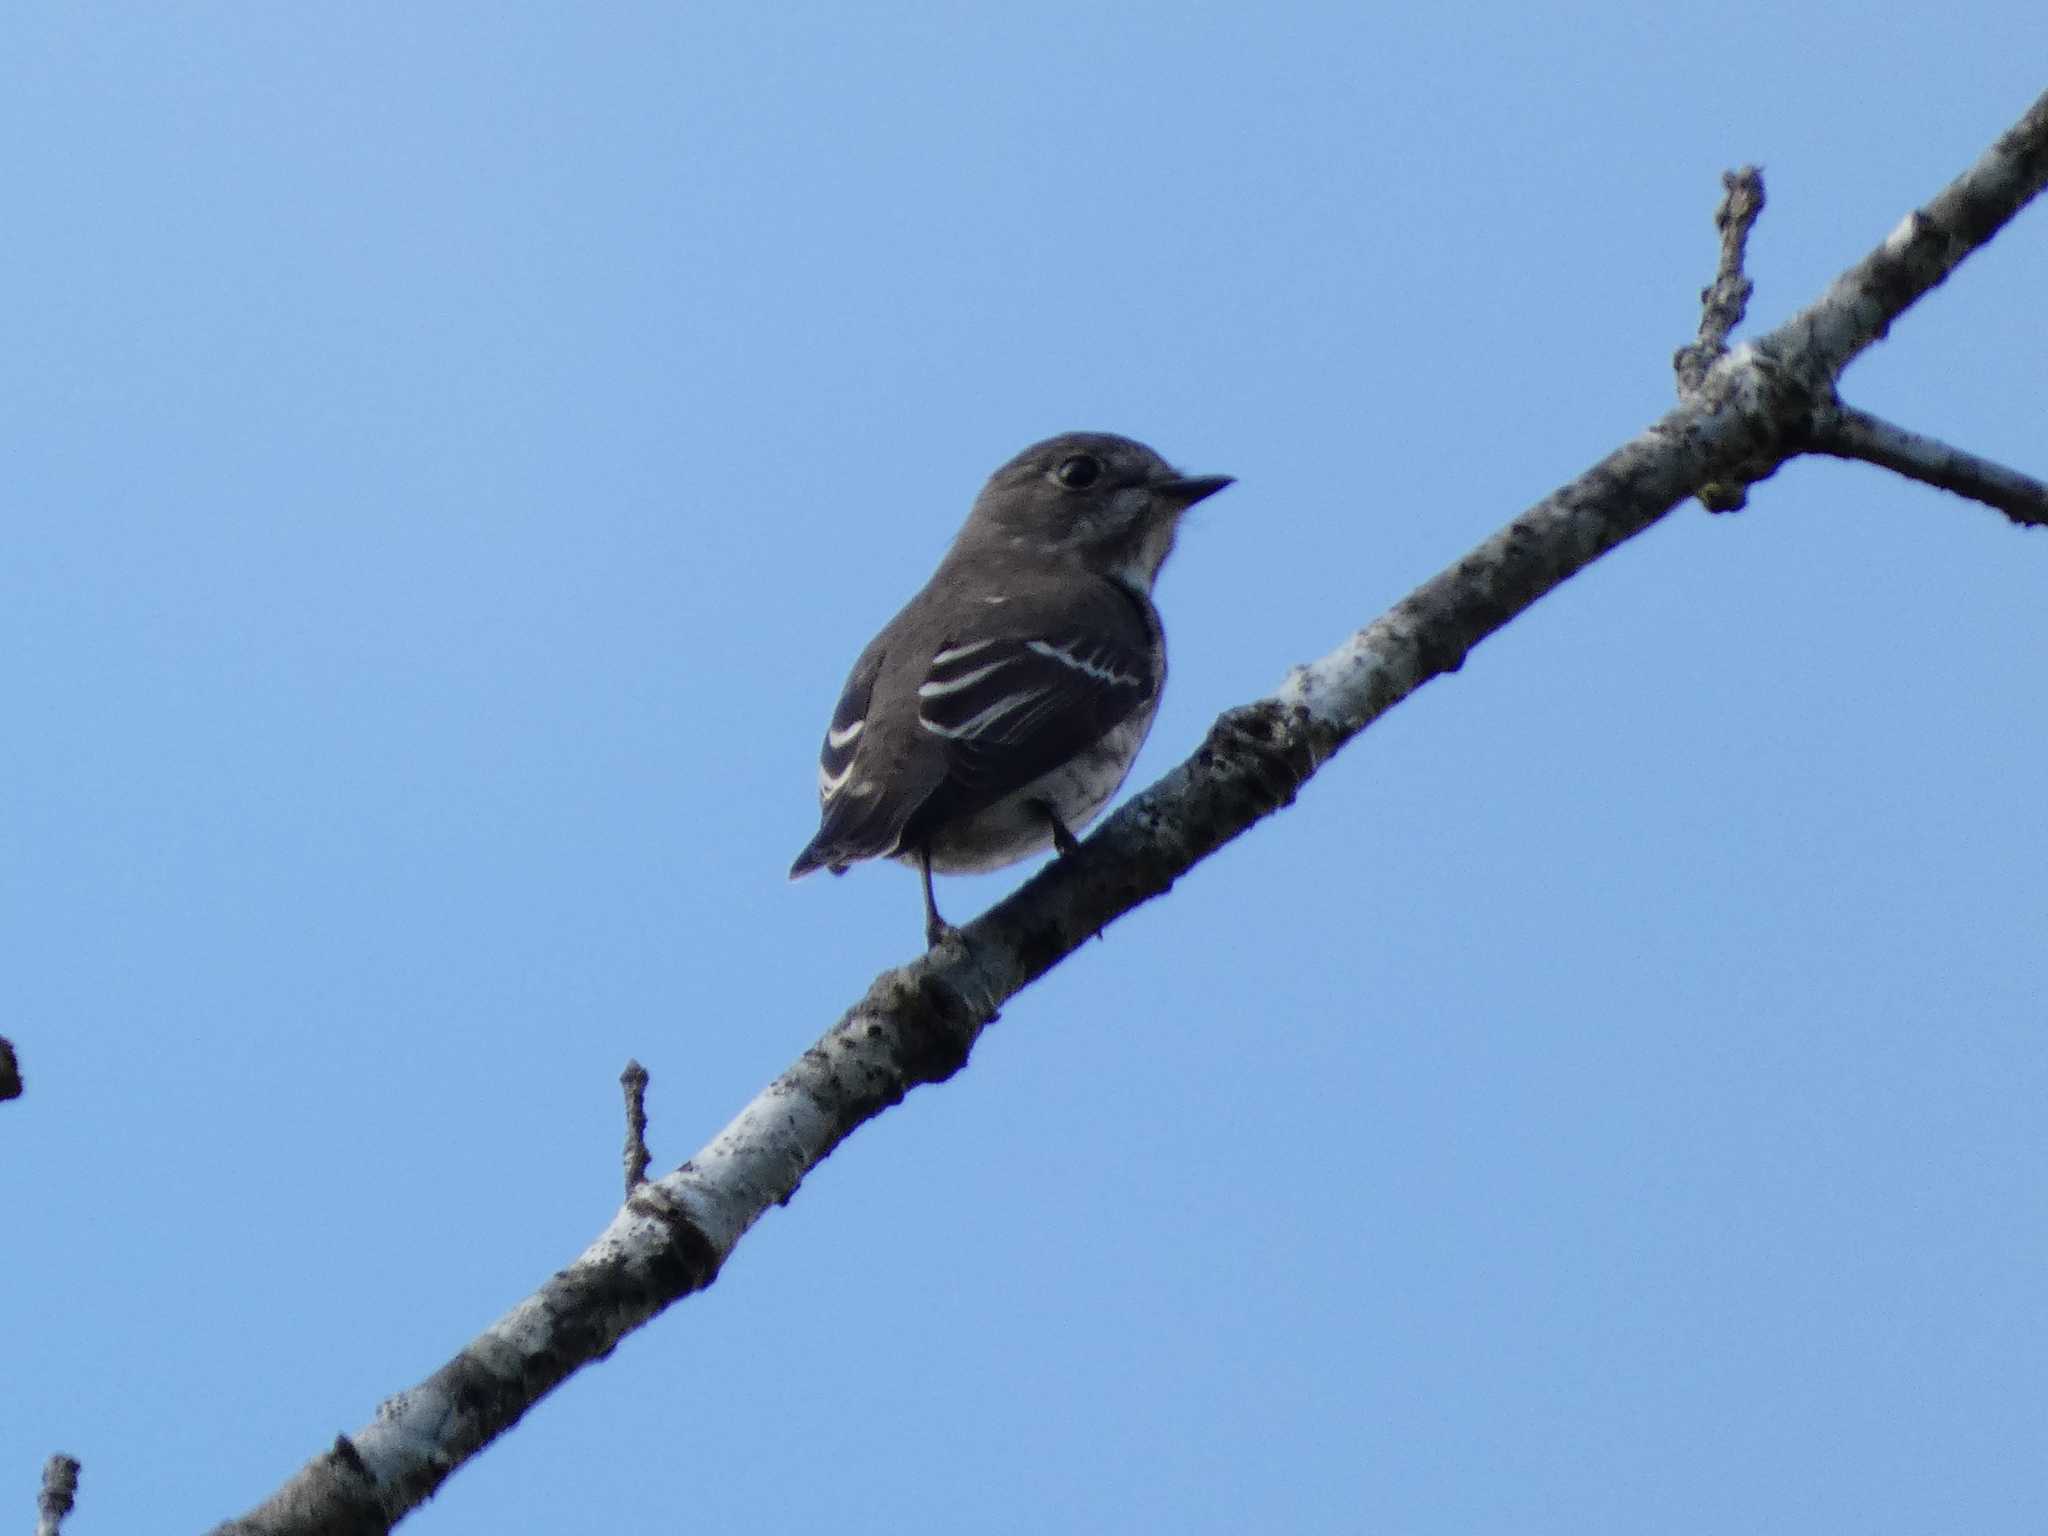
[(1183, 491)]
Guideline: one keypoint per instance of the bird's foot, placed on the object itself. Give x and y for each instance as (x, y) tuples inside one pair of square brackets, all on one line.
[(1063, 839)]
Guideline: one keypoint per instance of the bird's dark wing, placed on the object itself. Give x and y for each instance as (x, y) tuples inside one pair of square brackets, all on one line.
[(1052, 682), (933, 724), (1010, 710)]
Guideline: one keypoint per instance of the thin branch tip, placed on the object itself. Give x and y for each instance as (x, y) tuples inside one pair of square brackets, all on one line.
[(1723, 305), (634, 1081), (1844, 432), (59, 1493)]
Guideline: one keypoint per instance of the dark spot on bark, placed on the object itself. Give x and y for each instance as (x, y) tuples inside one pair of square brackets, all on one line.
[(691, 1260), (938, 1034), (345, 1452)]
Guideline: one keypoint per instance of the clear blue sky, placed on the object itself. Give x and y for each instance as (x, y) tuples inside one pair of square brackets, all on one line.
[(452, 454)]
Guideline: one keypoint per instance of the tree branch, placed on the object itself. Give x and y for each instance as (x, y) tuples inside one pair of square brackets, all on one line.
[(1723, 303), (59, 1492), (1847, 433), (917, 1024), (634, 1081), (1928, 244)]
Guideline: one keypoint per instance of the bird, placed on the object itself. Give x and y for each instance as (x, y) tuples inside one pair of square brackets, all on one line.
[(1002, 707)]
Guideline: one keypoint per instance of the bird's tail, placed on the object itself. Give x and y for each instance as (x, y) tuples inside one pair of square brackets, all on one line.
[(818, 854)]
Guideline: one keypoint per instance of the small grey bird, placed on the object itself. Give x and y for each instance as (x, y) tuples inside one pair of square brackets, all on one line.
[(1003, 706)]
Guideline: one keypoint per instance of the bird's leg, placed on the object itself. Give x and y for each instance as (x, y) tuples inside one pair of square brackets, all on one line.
[(1063, 839), (936, 929)]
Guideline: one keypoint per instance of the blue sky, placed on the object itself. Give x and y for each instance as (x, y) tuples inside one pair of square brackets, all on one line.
[(454, 454)]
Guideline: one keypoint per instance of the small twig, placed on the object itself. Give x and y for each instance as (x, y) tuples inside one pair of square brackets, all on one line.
[(1723, 303), (1847, 433), (634, 1081), (60, 1491), (10, 1071)]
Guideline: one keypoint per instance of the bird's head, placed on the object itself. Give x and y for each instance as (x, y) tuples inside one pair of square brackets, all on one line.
[(1111, 504)]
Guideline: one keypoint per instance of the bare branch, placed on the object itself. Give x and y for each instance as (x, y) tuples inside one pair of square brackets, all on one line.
[(1723, 303), (917, 1024), (1726, 300), (634, 1081), (1847, 433), (60, 1491), (1928, 244)]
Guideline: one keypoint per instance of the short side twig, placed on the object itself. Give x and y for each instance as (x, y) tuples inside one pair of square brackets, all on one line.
[(1847, 433), (60, 1491), (1723, 303), (634, 1081)]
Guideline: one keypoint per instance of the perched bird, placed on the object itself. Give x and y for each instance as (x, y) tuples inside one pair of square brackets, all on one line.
[(1003, 706)]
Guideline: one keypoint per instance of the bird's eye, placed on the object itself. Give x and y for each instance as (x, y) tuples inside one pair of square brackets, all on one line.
[(1079, 472)]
